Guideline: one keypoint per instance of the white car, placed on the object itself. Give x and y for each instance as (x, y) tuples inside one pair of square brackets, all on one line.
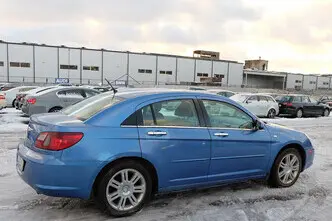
[(221, 92), (260, 105), (11, 94)]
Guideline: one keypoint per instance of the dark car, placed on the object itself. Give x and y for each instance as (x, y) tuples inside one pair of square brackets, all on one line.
[(326, 100), (301, 105)]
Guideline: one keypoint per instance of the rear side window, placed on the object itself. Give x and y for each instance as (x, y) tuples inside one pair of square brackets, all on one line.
[(253, 98), (305, 100), (263, 98), (297, 99), (91, 106), (180, 113), (270, 99), (70, 94), (26, 89)]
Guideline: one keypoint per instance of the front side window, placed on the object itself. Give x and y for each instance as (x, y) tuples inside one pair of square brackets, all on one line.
[(263, 98), (180, 113), (297, 99), (70, 94), (305, 100), (90, 93), (253, 98), (223, 115)]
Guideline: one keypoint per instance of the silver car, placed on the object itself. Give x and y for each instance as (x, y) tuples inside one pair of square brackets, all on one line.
[(55, 99)]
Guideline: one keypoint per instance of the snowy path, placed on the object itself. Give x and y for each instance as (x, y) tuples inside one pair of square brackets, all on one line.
[(309, 199)]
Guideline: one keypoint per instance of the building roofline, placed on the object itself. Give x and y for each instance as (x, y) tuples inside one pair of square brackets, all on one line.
[(116, 51)]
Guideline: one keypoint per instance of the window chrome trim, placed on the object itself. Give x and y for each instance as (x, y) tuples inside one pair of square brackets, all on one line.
[(177, 127), (182, 127)]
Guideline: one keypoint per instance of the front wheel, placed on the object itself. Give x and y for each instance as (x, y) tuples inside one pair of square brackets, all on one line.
[(326, 113), (124, 189), (286, 168)]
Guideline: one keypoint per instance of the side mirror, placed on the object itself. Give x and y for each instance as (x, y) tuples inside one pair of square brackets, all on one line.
[(257, 125)]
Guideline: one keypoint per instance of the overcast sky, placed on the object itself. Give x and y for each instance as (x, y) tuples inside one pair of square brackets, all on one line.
[(294, 35)]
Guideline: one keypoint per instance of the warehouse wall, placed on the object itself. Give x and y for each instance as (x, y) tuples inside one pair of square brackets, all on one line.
[(20, 54), (115, 65), (235, 75), (293, 81), (203, 67), (166, 72), (46, 64), (221, 68), (142, 68), (186, 68), (71, 57), (91, 66), (309, 82), (3, 62), (323, 83)]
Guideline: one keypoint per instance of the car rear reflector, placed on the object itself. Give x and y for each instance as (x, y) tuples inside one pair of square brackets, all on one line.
[(2, 97), (32, 100), (56, 141)]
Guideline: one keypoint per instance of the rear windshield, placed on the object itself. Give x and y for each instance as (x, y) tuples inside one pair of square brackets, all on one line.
[(284, 98), (87, 108), (239, 97)]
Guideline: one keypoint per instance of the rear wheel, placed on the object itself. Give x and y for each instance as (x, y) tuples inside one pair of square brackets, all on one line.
[(272, 113), (13, 104), (55, 109), (286, 168), (326, 113), (299, 113), (124, 189)]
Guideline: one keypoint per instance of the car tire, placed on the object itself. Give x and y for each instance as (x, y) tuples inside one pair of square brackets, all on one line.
[(326, 112), (55, 109), (116, 192), (299, 113), (286, 168), (272, 113)]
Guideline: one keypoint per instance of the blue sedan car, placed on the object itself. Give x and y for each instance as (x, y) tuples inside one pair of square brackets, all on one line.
[(123, 148)]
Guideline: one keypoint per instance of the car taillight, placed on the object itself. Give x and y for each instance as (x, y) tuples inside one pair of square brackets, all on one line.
[(57, 140), (287, 104), (2, 97), (31, 100)]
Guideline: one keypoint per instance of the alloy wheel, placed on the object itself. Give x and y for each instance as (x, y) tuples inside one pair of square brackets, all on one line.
[(272, 113), (289, 168), (126, 189)]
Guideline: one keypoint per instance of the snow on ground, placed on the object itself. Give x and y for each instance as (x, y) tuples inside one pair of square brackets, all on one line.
[(309, 199)]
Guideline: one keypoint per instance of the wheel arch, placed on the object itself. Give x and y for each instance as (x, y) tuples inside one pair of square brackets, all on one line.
[(55, 107), (147, 164), (296, 146)]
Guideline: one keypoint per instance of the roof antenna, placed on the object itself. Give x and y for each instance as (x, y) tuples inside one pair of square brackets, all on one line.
[(113, 89)]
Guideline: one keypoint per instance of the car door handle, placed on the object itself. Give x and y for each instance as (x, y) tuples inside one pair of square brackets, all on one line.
[(157, 133), (221, 134)]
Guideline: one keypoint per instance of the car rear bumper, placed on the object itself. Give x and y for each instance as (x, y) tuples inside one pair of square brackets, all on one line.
[(33, 109), (48, 175)]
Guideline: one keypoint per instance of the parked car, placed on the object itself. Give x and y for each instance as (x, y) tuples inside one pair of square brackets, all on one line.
[(121, 149), (20, 97), (3, 103), (326, 100), (55, 99), (259, 104), (11, 94), (220, 92), (302, 105), (6, 87)]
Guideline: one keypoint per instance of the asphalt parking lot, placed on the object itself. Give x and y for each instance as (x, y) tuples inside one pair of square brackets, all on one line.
[(309, 199)]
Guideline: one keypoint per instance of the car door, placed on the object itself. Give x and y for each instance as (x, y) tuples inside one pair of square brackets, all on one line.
[(317, 109), (264, 104), (238, 150), (308, 107), (174, 139), (252, 103), (69, 97)]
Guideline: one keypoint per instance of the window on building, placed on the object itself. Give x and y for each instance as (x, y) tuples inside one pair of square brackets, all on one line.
[(65, 66), (202, 75), (298, 81), (148, 71), (162, 72), (169, 72), (25, 65), (14, 64), (219, 76), (312, 82), (94, 68), (324, 83), (86, 68), (2, 63), (141, 71)]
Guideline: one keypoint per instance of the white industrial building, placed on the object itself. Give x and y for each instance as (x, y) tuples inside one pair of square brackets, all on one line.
[(39, 63), (34, 63)]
